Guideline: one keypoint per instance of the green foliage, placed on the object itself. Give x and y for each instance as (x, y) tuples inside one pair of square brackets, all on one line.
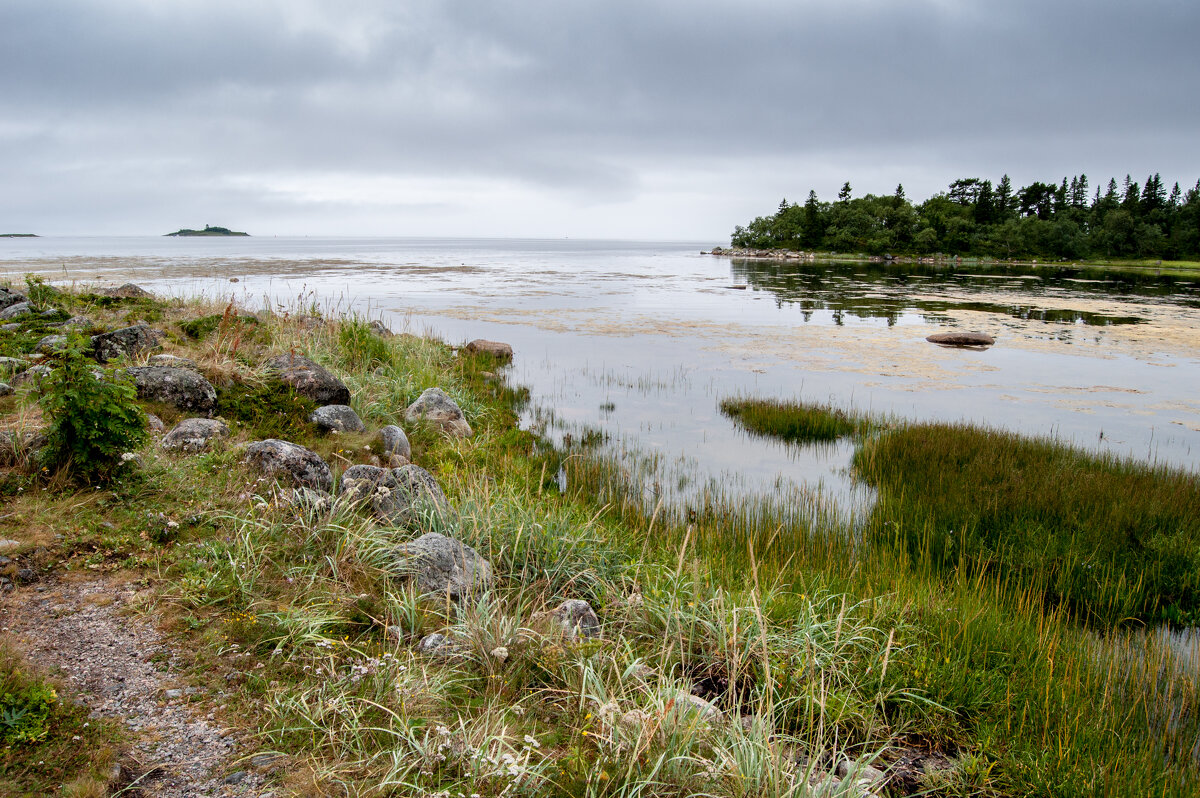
[(268, 410), (40, 295), (972, 218), (201, 328), (1111, 539), (360, 348), (94, 416), (792, 421), (26, 705)]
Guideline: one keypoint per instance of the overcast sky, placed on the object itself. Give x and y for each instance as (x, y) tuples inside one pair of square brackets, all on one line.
[(654, 119)]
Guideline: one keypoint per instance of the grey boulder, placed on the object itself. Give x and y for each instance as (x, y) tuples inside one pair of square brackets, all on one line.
[(128, 291), (396, 495), (194, 434), (173, 361), (32, 374), (286, 460), (435, 407), (127, 341), (16, 310), (337, 418), (393, 442), (181, 388), (11, 365), (51, 344), (577, 619), (309, 379), (380, 329), (443, 566), (8, 297)]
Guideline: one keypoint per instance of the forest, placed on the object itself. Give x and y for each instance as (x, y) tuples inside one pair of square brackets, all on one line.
[(976, 218)]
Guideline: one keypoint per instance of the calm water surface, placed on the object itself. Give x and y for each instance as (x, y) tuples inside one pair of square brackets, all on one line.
[(642, 340)]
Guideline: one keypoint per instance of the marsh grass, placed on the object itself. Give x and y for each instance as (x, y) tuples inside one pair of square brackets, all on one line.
[(794, 422), (1111, 539)]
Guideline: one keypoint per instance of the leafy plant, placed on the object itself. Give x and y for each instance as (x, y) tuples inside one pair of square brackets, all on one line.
[(95, 421), (26, 705)]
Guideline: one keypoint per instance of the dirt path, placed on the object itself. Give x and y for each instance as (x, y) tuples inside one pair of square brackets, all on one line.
[(121, 667)]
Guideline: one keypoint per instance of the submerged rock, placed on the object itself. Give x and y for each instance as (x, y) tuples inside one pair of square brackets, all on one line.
[(309, 379), (434, 406), (961, 339), (284, 459)]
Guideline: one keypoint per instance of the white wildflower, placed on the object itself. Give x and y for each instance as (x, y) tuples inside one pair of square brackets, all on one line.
[(500, 653), (531, 740)]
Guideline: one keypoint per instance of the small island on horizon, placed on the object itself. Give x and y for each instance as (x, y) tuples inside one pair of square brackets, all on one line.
[(18, 235), (208, 230)]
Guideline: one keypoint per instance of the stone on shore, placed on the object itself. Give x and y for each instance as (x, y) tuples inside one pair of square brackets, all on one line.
[(337, 418), (496, 349), (443, 566), (434, 406), (309, 379), (290, 461), (961, 339), (128, 291), (194, 434), (396, 495), (181, 388), (127, 342), (380, 329)]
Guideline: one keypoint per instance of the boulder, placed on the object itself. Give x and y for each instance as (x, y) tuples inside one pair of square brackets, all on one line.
[(396, 495), (127, 342), (173, 361), (15, 310), (128, 291), (577, 619), (6, 389), (51, 344), (182, 388), (8, 298), (496, 349), (443, 566), (309, 379), (337, 418), (283, 459), (11, 365), (154, 423), (961, 339), (32, 374), (194, 434), (380, 329), (434, 406), (393, 442)]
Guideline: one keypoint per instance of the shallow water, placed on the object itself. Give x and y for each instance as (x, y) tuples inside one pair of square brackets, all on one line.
[(642, 340)]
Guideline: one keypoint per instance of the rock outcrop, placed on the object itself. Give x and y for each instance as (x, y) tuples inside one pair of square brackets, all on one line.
[(181, 388), (309, 379), (285, 460), (434, 406)]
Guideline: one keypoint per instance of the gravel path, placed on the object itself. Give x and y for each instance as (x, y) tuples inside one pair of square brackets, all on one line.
[(121, 667)]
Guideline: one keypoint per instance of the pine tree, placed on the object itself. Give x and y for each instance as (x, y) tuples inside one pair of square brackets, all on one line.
[(1004, 198), (844, 194)]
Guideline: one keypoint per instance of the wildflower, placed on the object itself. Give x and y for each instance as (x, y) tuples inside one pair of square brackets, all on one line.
[(500, 653), (532, 741)]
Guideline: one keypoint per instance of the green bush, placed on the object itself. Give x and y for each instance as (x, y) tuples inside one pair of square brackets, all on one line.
[(26, 705), (94, 416)]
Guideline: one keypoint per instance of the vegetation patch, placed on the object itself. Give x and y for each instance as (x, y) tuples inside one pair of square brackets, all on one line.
[(270, 409), (793, 422), (201, 328)]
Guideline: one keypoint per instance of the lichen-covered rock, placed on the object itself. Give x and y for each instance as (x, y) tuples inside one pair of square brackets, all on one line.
[(396, 495), (194, 434), (16, 310), (337, 418), (154, 423), (309, 379), (443, 566), (290, 461), (16, 446), (496, 349), (127, 342), (434, 406), (128, 291), (8, 298), (393, 442), (182, 388), (32, 374), (576, 618), (51, 344)]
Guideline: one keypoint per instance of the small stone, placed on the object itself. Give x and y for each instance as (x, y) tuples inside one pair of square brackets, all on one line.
[(173, 694), (51, 344), (9, 545), (394, 633), (380, 329), (337, 418), (154, 423), (236, 777), (264, 760), (577, 619)]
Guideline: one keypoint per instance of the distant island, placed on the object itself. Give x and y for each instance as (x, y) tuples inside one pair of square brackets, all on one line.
[(18, 235), (208, 230)]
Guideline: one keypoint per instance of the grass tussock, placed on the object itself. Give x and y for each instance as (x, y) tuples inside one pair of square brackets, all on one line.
[(794, 422)]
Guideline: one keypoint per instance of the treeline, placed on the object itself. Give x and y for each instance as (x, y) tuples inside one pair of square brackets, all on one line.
[(975, 217)]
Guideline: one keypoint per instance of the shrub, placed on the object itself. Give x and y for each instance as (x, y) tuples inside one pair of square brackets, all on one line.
[(94, 416)]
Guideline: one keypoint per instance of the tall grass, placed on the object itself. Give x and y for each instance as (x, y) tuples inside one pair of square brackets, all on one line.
[(793, 422)]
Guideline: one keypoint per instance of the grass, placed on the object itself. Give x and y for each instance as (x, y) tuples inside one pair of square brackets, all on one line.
[(814, 644), (793, 422)]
